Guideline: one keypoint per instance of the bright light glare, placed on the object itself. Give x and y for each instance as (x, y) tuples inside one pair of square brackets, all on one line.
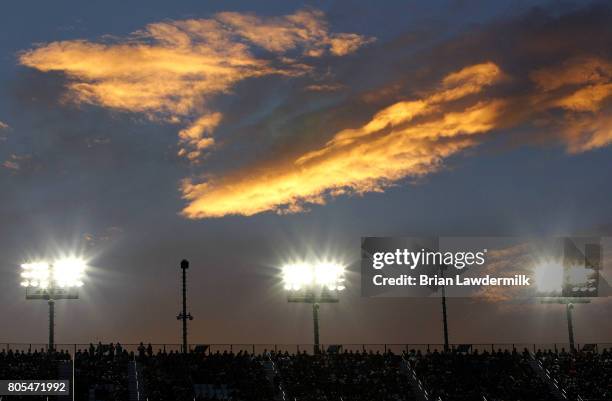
[(549, 277), (35, 274), (297, 276), (64, 273), (69, 272), (330, 275)]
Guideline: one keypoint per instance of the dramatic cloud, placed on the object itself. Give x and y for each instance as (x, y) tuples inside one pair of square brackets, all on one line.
[(536, 79), (394, 144), (412, 138), (170, 70), (3, 125)]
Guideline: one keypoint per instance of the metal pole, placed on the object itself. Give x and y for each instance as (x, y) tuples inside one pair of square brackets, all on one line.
[(444, 316), (315, 318), (184, 316), (184, 310), (445, 320), (51, 325), (570, 325)]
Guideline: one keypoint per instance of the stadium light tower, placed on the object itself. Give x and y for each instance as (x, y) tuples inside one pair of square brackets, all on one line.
[(184, 316), (571, 282), (550, 283), (313, 283), (52, 281)]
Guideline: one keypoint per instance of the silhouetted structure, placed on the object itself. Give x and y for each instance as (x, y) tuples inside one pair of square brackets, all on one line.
[(184, 315)]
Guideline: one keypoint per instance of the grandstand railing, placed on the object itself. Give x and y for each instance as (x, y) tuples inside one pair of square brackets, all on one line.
[(309, 348)]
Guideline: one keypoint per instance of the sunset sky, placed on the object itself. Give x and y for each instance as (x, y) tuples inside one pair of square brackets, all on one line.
[(241, 135)]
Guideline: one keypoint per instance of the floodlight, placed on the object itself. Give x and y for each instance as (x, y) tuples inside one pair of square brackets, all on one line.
[(297, 275), (330, 275), (69, 272), (548, 277), (581, 280), (324, 275), (572, 278), (36, 274), (64, 273)]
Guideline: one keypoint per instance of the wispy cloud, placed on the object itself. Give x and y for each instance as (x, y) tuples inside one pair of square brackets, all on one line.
[(198, 136), (408, 138), (324, 87), (15, 162), (171, 70), (581, 86), (412, 138)]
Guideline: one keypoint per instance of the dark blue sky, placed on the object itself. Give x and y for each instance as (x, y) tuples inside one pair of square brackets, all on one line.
[(106, 182)]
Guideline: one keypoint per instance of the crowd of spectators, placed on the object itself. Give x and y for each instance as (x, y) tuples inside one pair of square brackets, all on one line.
[(230, 376), (355, 376), (30, 365), (463, 376), (584, 374), (102, 371)]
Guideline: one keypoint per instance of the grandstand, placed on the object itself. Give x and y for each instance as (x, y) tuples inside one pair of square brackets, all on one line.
[(343, 375), (582, 375), (105, 372), (464, 376)]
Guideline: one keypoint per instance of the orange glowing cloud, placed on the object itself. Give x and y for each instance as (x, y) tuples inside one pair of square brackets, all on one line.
[(412, 138), (587, 132), (170, 70), (408, 138), (194, 135), (469, 80), (306, 29), (581, 70), (581, 87)]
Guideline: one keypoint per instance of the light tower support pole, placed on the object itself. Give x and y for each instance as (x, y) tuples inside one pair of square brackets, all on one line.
[(445, 320), (444, 315), (51, 324), (570, 325), (315, 320), (569, 306)]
